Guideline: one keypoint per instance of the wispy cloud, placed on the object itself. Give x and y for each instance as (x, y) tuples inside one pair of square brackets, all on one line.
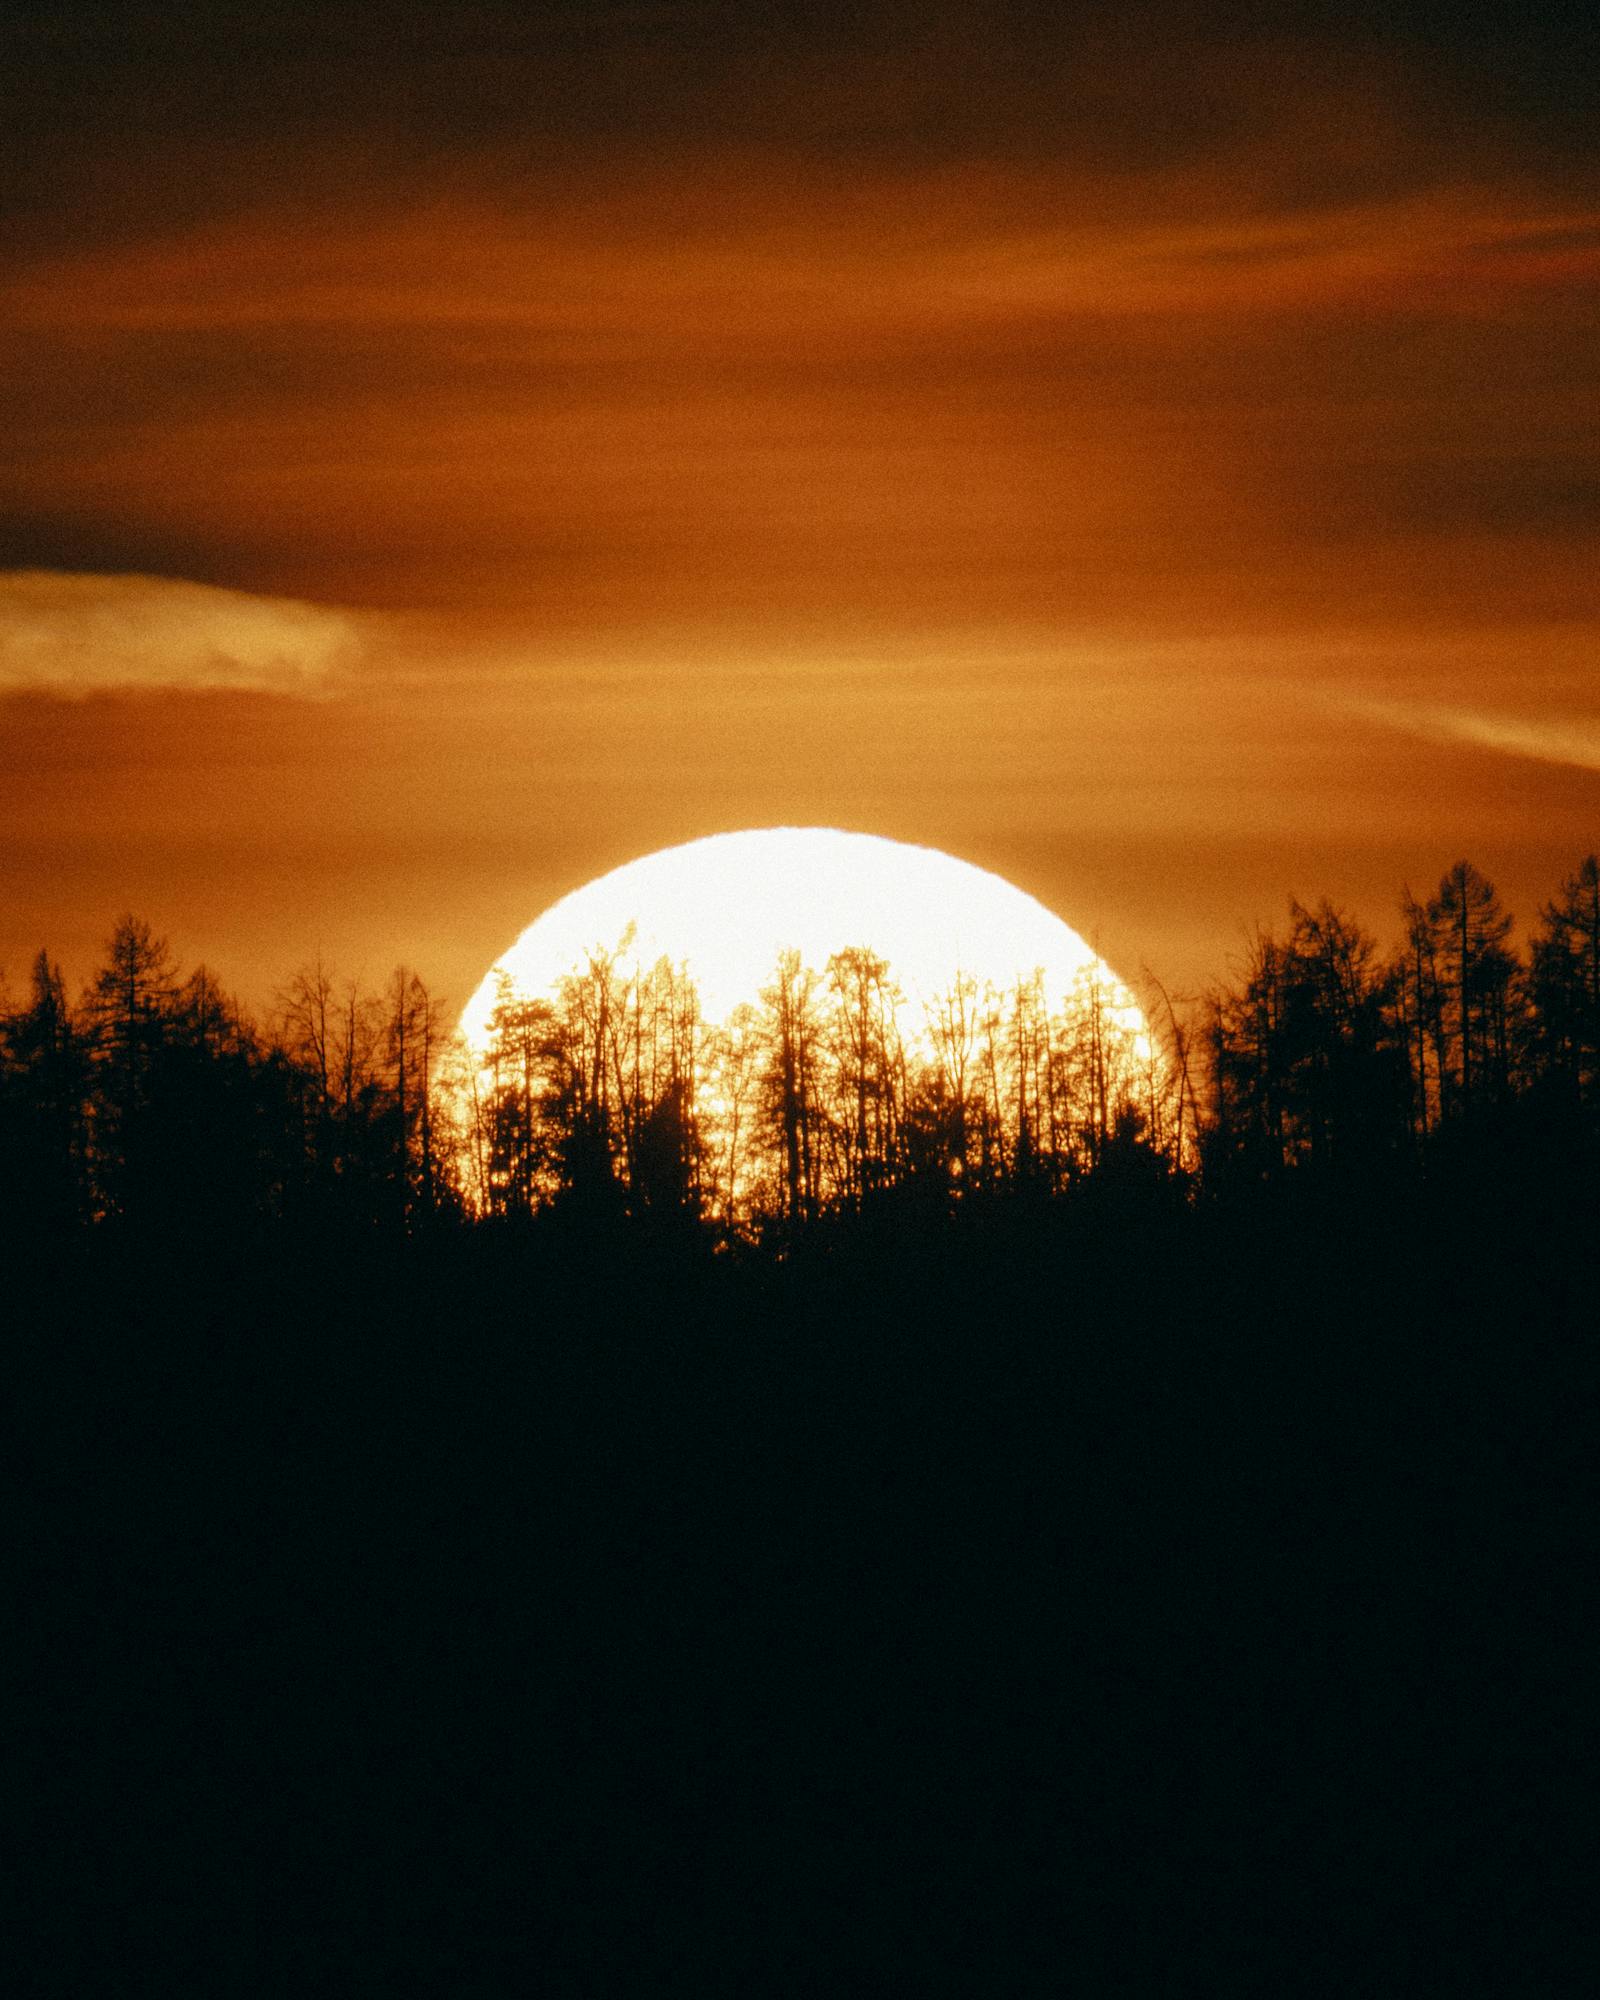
[(1572, 740), (696, 255), (76, 635)]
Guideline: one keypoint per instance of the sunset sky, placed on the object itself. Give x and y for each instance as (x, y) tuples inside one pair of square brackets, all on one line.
[(449, 452)]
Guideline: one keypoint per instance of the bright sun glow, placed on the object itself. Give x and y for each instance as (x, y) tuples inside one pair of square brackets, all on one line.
[(727, 906)]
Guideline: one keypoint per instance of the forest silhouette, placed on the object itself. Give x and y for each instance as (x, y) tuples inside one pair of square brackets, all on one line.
[(775, 1509), (157, 1099)]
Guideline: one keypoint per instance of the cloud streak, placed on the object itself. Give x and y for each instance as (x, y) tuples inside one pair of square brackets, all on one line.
[(698, 256), (77, 635), (1569, 740)]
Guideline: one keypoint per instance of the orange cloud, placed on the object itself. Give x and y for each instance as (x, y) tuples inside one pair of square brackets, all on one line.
[(82, 635)]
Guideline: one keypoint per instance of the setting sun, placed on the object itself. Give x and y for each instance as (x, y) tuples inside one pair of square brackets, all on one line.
[(726, 907), (791, 1020)]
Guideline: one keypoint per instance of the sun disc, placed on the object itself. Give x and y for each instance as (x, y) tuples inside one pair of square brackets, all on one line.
[(727, 906)]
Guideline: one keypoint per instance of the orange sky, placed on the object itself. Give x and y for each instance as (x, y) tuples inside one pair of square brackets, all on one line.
[(413, 505)]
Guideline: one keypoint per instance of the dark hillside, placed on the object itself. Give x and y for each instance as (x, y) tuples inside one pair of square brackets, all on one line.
[(1147, 1596)]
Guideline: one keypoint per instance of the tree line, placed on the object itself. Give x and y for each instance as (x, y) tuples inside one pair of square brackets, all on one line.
[(1328, 1055), (157, 1096), (821, 1097), (1323, 1057)]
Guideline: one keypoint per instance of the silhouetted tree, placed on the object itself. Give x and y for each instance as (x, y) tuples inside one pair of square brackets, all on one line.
[(790, 1083), (129, 1008), (44, 1077), (865, 1073), (654, 1056), (732, 1065), (413, 1033), (305, 1025), (944, 1109), (1306, 1068), (1107, 1078), (1418, 1009), (511, 1142), (1343, 1072), (579, 1103), (1248, 1132), (220, 1121), (1030, 1073), (1564, 986), (1174, 1100), (1469, 929)]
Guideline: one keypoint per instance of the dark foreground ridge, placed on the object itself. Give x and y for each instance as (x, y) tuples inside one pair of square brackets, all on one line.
[(1132, 1562), (1109, 1597)]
